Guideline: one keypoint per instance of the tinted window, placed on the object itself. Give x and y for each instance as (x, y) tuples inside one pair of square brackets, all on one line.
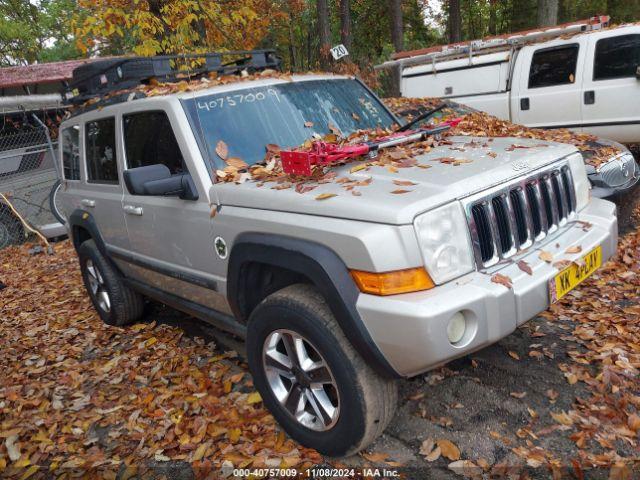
[(286, 114), (149, 140), (70, 139), (617, 57), (553, 66), (100, 148)]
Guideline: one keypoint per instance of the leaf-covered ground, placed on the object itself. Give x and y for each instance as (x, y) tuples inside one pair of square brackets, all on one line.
[(78, 395), (561, 394)]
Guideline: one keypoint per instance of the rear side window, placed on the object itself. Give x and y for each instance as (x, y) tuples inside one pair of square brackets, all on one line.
[(553, 66), (149, 140), (70, 138), (100, 148), (617, 57)]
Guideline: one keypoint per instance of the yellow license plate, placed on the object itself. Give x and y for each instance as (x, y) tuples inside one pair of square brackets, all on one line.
[(574, 274)]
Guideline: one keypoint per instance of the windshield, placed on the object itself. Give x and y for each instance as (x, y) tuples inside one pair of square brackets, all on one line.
[(286, 115)]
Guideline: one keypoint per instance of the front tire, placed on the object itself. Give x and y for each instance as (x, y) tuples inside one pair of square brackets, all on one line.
[(312, 380), (115, 302)]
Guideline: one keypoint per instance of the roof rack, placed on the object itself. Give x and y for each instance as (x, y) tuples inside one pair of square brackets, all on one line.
[(113, 74), (493, 44)]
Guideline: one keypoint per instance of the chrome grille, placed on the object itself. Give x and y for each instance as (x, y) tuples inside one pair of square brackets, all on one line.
[(513, 217)]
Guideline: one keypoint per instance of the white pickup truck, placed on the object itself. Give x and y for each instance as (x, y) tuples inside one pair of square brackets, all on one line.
[(584, 76)]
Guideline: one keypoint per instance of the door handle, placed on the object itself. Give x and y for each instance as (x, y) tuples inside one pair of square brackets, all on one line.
[(524, 104), (131, 210), (589, 97), (88, 203)]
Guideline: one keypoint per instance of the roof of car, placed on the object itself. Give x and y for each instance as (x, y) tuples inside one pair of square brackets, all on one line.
[(187, 89)]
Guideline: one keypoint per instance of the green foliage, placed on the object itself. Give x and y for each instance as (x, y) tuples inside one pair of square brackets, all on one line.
[(478, 16), (49, 30), (31, 32)]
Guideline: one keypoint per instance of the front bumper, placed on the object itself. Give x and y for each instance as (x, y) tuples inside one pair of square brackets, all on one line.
[(411, 329)]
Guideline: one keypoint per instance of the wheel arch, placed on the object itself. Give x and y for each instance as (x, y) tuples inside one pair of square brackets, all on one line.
[(82, 227), (305, 262)]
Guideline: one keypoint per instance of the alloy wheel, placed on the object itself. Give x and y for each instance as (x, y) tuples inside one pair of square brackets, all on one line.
[(98, 286), (300, 378)]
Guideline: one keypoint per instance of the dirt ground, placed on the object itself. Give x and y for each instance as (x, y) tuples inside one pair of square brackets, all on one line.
[(165, 398)]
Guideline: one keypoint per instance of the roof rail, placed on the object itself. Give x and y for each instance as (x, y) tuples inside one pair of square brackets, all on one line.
[(104, 76), (498, 43)]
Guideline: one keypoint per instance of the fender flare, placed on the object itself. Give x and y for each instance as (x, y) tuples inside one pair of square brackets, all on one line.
[(326, 271), (83, 219)]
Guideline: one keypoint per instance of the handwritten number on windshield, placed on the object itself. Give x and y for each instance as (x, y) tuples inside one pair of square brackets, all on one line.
[(238, 99)]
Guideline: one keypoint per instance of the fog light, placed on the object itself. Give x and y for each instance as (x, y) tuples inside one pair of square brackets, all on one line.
[(456, 328)]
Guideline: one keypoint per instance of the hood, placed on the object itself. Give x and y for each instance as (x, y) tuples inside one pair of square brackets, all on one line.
[(485, 162)]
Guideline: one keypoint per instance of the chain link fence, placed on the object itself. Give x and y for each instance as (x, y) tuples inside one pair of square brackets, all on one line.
[(27, 175)]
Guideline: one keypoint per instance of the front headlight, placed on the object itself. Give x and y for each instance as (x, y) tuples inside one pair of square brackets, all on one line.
[(580, 180), (444, 240)]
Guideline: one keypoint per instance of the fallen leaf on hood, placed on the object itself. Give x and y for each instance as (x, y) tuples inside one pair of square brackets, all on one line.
[(546, 256), (574, 249), (404, 183), (400, 191), (525, 267), (449, 449), (237, 163), (324, 196), (359, 167), (502, 280), (462, 161), (222, 150), (302, 188)]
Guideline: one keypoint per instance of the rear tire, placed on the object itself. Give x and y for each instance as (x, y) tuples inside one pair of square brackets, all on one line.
[(115, 302), (365, 402), (52, 202)]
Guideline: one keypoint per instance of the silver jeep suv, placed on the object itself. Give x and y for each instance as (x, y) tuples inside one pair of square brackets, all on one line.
[(336, 296)]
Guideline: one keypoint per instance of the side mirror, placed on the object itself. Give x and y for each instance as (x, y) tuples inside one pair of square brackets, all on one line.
[(157, 180)]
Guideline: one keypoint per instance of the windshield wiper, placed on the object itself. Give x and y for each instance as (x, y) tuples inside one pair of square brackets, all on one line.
[(422, 117)]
